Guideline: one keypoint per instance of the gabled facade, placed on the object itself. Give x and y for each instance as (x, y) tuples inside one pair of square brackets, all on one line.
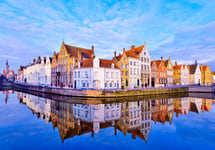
[(207, 76), (97, 74), (180, 74), (45, 71), (134, 66), (8, 74), (55, 76), (162, 72), (70, 56), (122, 61), (194, 74), (145, 62), (169, 67), (154, 74)]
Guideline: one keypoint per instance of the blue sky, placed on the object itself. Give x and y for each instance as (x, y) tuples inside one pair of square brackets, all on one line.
[(184, 30)]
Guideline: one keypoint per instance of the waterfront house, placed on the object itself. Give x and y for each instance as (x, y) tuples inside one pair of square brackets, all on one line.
[(134, 66), (180, 74), (32, 72), (169, 67), (20, 74), (207, 77), (213, 77), (55, 76), (145, 63), (194, 74), (162, 72), (122, 61), (154, 74), (45, 71), (70, 56), (97, 74)]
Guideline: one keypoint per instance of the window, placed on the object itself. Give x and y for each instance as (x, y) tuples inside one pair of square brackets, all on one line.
[(78, 74), (107, 74), (110, 84), (105, 84), (134, 63), (126, 66), (86, 74), (130, 62), (122, 73), (115, 85), (75, 74), (126, 73), (141, 59), (122, 66), (112, 75)]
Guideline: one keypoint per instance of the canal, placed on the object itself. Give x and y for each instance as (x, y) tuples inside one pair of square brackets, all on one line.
[(33, 122)]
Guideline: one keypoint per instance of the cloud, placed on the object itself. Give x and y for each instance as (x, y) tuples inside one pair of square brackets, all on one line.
[(29, 29)]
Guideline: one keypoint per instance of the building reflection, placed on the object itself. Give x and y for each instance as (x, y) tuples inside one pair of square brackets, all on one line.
[(134, 118)]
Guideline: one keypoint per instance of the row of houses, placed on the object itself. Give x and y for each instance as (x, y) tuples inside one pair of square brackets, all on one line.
[(79, 68), (128, 117)]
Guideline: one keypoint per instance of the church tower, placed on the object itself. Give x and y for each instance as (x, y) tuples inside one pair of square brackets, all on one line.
[(6, 67)]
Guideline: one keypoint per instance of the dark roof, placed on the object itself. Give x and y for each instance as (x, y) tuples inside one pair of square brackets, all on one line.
[(192, 68), (73, 51)]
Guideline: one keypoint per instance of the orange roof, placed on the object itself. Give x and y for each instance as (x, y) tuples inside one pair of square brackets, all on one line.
[(73, 51), (134, 52), (104, 63), (203, 68), (118, 57)]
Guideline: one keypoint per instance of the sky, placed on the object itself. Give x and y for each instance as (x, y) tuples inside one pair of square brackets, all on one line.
[(183, 30)]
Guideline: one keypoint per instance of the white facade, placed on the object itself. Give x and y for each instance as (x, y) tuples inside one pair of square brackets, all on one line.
[(45, 71), (97, 77), (38, 72), (145, 67), (32, 74), (112, 112), (134, 114), (184, 75), (134, 72), (197, 76), (214, 78), (146, 118)]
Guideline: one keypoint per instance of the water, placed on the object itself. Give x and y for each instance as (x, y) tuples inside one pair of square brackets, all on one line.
[(31, 122)]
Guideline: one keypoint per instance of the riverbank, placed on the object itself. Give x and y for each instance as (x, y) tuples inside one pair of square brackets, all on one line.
[(102, 93)]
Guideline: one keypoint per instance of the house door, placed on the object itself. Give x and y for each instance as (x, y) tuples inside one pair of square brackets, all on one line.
[(138, 82), (153, 82), (75, 84)]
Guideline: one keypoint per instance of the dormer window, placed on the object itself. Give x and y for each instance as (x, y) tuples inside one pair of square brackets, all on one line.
[(112, 66)]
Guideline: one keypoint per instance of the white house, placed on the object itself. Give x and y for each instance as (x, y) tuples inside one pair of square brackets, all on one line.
[(184, 74), (45, 70), (97, 74), (32, 72), (194, 74), (145, 70)]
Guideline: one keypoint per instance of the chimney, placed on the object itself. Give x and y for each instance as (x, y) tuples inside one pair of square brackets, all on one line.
[(93, 51), (161, 58), (34, 60), (39, 58), (115, 54), (123, 50), (132, 47)]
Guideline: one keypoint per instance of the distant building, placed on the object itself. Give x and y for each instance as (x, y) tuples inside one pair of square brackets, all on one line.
[(180, 75), (8, 74), (207, 76), (97, 74), (20, 74), (213, 77), (154, 74), (194, 74), (168, 65)]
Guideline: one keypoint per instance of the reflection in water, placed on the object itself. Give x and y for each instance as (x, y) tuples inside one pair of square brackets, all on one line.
[(127, 117)]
